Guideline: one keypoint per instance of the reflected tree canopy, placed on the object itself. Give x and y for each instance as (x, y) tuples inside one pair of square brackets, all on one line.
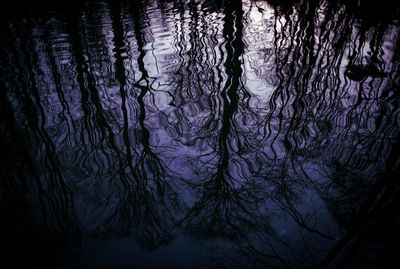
[(261, 134)]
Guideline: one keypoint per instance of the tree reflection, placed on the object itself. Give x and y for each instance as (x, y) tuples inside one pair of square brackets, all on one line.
[(222, 208), (148, 197), (266, 130)]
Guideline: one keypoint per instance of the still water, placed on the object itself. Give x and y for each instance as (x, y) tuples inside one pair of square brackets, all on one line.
[(200, 134)]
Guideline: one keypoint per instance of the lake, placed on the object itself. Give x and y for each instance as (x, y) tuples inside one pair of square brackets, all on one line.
[(200, 134)]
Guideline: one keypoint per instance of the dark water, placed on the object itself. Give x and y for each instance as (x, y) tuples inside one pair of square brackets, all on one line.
[(200, 134)]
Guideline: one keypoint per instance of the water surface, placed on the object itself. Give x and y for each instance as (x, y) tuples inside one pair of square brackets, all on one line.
[(200, 134)]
